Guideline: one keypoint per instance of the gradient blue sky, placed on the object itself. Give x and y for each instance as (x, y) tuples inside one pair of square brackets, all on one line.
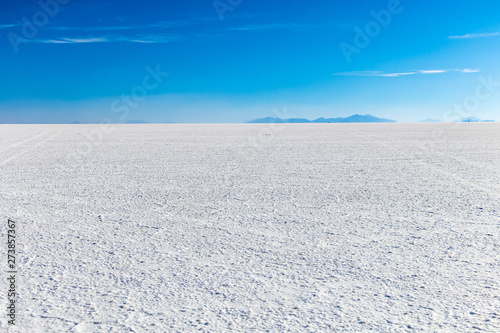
[(251, 59)]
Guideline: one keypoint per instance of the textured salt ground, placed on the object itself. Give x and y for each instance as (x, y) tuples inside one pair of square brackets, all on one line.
[(300, 227)]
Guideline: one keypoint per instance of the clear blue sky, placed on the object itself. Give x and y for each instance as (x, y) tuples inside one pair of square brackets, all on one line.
[(233, 61)]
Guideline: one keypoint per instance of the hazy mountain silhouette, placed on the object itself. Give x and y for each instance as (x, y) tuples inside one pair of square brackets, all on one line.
[(367, 118), (473, 120)]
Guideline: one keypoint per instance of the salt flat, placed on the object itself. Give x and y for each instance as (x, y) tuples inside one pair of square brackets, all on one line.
[(297, 227)]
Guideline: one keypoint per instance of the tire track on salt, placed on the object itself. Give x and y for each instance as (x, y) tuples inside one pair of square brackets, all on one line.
[(16, 138), (17, 144), (27, 150)]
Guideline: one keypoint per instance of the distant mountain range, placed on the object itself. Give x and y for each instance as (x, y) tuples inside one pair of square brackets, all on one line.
[(473, 120), (138, 121), (357, 118)]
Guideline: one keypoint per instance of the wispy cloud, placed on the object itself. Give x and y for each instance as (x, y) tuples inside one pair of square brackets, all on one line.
[(414, 72), (146, 39), (162, 24), (146, 33), (433, 71), (468, 36), (396, 74), (131, 33), (73, 40), (468, 70), (6, 26)]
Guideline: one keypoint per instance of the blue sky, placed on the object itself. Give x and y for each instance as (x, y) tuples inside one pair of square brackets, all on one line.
[(236, 60)]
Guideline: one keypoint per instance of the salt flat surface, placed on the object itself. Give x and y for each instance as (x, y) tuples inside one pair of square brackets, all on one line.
[(300, 228)]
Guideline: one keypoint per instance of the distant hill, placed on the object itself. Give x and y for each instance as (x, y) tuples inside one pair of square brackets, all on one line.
[(352, 119), (473, 120), (278, 120), (139, 121)]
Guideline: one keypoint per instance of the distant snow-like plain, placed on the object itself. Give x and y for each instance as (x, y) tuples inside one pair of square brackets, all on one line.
[(268, 227)]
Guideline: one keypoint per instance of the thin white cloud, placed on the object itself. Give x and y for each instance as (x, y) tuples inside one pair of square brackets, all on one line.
[(468, 70), (436, 71), (120, 33), (398, 74), (162, 24), (73, 40), (145, 39), (373, 73), (468, 36), (6, 26)]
